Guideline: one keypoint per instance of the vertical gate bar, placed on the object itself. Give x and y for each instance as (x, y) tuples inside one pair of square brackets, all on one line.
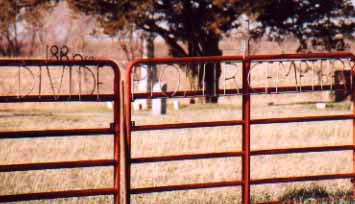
[(116, 140), (353, 98), (246, 134), (127, 144), (123, 133)]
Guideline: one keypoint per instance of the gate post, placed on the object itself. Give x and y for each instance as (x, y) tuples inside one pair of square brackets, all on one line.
[(116, 140), (127, 131), (353, 100), (246, 134)]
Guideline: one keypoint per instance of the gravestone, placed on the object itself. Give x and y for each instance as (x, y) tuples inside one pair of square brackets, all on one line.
[(109, 105), (343, 79), (321, 105), (141, 104), (159, 104), (176, 105)]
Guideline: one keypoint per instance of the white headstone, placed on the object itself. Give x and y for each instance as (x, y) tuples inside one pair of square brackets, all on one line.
[(159, 104), (320, 105), (176, 105), (141, 104), (109, 105)]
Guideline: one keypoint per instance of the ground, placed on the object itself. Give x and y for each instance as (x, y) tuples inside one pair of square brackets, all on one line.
[(197, 140)]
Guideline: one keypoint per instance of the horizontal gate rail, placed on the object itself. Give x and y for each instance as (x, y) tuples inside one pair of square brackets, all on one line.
[(239, 154), (302, 150), (186, 187), (239, 183), (113, 129), (187, 125), (186, 157), (56, 165), (257, 90), (57, 98), (302, 178), (56, 133), (58, 194), (245, 91), (240, 122), (302, 119)]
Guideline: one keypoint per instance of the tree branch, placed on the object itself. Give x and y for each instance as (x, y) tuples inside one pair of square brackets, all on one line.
[(166, 35)]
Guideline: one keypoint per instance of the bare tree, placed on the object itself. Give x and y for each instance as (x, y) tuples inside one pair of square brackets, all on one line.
[(18, 17)]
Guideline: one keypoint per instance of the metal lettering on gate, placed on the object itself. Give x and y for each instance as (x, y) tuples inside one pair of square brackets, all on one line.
[(291, 73), (63, 80)]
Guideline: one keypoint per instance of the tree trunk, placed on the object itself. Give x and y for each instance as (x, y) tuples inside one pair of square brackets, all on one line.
[(152, 77), (213, 70), (192, 71), (205, 45), (193, 82)]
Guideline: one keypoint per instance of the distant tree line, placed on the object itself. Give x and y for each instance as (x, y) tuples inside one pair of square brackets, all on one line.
[(195, 27)]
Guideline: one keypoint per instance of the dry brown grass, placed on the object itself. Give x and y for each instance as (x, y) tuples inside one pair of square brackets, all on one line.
[(197, 140)]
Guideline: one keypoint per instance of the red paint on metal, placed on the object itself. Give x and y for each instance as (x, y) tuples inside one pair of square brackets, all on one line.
[(186, 157), (302, 119), (115, 130), (128, 125), (55, 133), (301, 178), (116, 139), (246, 135), (55, 165), (187, 125), (185, 187), (57, 194), (256, 90), (245, 122), (353, 100), (56, 98), (302, 150)]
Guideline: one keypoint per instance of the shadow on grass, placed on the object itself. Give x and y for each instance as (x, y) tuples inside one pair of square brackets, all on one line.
[(315, 194)]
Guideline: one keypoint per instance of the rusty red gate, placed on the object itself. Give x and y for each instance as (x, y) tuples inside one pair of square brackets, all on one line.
[(36, 93), (247, 64)]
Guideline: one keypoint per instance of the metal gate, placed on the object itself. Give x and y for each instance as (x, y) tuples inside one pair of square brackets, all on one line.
[(73, 71), (245, 64)]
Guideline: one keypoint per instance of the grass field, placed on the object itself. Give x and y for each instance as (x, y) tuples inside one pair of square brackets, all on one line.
[(197, 140)]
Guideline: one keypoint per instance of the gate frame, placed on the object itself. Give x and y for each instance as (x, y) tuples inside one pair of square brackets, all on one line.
[(113, 129), (246, 122)]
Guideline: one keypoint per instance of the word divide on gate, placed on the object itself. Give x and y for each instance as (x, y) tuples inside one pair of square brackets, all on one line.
[(64, 80), (79, 78), (238, 75)]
